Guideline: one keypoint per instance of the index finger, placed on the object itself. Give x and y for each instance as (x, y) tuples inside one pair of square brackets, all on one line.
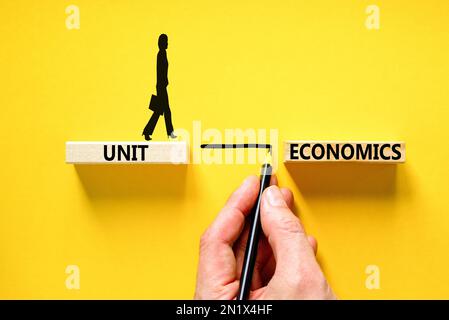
[(229, 223)]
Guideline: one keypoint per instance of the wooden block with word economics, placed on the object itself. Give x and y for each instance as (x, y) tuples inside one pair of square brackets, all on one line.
[(344, 151), (86, 152)]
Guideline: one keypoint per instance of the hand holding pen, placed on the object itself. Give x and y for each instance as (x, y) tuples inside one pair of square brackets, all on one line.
[(285, 266)]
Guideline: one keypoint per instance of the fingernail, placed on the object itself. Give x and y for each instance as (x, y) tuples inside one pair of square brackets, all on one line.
[(274, 197)]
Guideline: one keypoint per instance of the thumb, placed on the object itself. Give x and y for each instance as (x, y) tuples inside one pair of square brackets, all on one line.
[(286, 235)]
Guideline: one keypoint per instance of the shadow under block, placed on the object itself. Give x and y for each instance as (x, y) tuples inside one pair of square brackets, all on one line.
[(127, 152), (344, 151)]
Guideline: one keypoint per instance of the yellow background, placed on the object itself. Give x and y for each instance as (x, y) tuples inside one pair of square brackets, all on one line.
[(310, 69)]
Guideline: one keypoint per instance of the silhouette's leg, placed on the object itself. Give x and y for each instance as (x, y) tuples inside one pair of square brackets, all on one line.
[(149, 128), (168, 123), (163, 100)]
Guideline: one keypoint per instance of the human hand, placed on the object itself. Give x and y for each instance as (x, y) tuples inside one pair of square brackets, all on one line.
[(285, 268)]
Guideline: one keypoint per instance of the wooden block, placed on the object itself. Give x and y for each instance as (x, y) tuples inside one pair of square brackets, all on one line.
[(344, 151), (87, 152)]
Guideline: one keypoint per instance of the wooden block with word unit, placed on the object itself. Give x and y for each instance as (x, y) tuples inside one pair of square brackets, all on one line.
[(344, 151), (126, 152)]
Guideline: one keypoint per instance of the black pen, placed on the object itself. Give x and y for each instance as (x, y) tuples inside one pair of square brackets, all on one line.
[(254, 217), (253, 236)]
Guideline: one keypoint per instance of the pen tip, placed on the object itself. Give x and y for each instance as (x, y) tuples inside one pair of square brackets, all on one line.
[(268, 158)]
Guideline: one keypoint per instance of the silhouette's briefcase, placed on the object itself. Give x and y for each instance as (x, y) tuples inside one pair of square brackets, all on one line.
[(153, 104)]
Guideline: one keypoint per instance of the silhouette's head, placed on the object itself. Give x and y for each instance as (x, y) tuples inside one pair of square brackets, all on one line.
[(163, 41)]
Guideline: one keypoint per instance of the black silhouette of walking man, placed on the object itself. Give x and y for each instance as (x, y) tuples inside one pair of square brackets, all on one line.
[(161, 90)]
